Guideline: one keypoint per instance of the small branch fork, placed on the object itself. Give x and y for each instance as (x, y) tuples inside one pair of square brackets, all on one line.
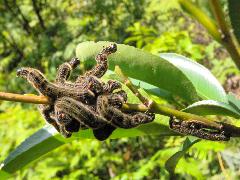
[(152, 106), (147, 105)]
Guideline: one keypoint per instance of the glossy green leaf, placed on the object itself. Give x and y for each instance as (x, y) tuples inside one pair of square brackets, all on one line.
[(211, 107), (143, 66), (153, 89), (233, 7), (206, 85), (148, 87), (47, 139), (171, 163)]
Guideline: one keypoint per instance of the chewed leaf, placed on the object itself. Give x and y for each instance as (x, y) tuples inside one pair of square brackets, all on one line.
[(206, 85), (143, 66), (211, 107)]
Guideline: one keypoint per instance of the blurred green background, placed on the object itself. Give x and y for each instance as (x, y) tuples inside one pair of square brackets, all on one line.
[(44, 34)]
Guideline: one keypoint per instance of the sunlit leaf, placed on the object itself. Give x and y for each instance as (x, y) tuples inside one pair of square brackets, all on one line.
[(143, 66), (211, 107), (206, 85), (148, 87), (171, 163)]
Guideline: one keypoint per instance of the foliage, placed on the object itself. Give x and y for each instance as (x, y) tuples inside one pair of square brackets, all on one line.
[(43, 34), (233, 5)]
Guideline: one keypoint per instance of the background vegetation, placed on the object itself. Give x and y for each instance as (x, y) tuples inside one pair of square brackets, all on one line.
[(44, 34)]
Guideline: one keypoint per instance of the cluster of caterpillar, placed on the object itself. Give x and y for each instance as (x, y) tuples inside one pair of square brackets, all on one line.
[(86, 103)]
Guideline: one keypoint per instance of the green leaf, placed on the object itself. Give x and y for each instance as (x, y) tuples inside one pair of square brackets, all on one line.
[(143, 66), (153, 89), (206, 85), (171, 163), (234, 101), (47, 139), (148, 87), (211, 107), (233, 7)]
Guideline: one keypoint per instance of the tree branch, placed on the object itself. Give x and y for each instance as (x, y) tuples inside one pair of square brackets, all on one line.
[(24, 98), (37, 11), (153, 106), (23, 21)]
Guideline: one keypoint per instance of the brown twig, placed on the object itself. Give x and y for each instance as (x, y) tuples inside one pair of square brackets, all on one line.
[(24, 98)]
